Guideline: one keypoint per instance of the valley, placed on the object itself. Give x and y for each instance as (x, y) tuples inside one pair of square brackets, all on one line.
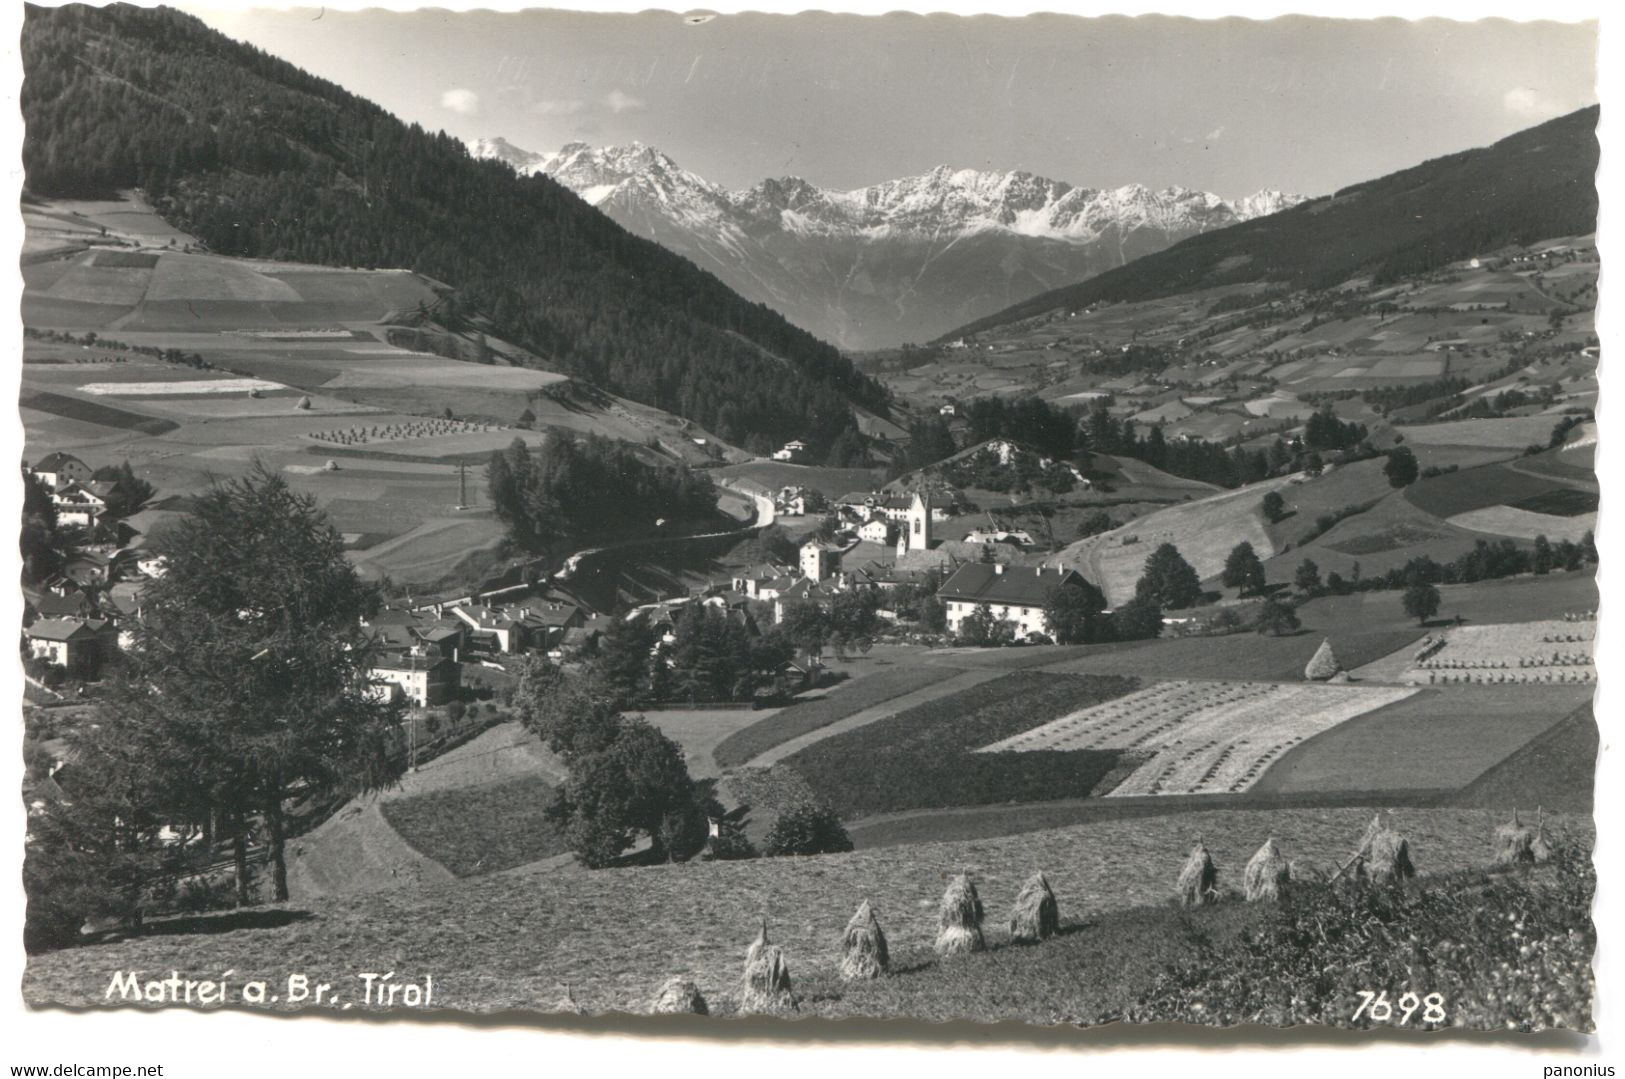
[(547, 571)]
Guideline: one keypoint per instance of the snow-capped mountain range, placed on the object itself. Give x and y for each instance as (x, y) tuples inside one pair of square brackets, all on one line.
[(903, 260)]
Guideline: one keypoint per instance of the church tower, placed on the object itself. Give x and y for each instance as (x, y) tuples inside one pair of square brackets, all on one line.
[(916, 532)]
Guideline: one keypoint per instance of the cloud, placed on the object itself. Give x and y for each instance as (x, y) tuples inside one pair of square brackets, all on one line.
[(618, 101), (460, 100), (1526, 101), (558, 107), (1213, 136)]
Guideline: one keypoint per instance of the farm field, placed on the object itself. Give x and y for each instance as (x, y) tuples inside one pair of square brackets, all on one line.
[(1555, 770), (1202, 737), (1248, 657), (925, 757), (1509, 433), (1496, 485), (1439, 739), (1204, 531), (479, 829), (744, 744), (1542, 651), (505, 941), (700, 730)]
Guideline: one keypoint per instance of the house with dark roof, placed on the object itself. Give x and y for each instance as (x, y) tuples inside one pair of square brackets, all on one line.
[(423, 676), (1017, 594), (78, 645), (57, 470)]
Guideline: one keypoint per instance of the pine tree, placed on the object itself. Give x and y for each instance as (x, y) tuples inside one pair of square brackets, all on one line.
[(249, 672)]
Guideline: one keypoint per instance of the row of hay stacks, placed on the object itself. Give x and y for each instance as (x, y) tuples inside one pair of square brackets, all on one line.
[(1381, 857)]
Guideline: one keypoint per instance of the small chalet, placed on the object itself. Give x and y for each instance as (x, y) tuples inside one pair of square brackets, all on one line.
[(1016, 594), (794, 452)]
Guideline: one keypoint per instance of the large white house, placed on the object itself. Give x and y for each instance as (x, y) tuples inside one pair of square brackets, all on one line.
[(1016, 594)]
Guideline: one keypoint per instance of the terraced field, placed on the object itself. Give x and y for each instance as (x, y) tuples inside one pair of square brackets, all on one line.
[(1203, 737)]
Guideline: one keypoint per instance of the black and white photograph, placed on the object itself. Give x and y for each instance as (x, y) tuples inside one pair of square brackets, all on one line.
[(690, 522)]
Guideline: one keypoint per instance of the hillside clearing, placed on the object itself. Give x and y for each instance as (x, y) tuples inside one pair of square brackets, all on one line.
[(508, 940)]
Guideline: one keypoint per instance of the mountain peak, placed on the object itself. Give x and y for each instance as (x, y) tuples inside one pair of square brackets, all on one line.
[(824, 256)]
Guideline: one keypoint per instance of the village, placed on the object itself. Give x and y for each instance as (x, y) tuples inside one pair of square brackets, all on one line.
[(882, 548)]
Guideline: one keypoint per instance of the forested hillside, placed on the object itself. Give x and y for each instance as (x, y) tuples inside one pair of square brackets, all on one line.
[(1529, 186), (261, 159)]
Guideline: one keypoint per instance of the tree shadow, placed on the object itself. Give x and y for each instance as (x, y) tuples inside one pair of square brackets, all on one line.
[(197, 925)]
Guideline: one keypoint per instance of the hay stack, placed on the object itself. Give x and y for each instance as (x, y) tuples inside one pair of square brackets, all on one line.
[(304, 402), (766, 985), (679, 996), (1267, 874), (863, 946), (1384, 855), (959, 919), (1199, 879), (1323, 665), (1514, 843), (1035, 916), (1541, 847)]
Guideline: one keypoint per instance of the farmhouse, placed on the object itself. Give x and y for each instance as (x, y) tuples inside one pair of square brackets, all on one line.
[(423, 676), (78, 645), (1017, 594), (57, 470), (794, 451), (81, 503), (877, 531), (803, 591)]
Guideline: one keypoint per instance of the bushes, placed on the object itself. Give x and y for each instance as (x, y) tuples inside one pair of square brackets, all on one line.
[(1504, 951), (924, 757), (806, 829)]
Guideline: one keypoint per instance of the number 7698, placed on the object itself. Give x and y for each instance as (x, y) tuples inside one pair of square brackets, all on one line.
[(1379, 1009)]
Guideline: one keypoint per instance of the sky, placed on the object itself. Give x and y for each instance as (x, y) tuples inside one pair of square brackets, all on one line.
[(1231, 106)]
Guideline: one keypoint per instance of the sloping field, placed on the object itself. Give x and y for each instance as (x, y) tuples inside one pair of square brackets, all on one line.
[(507, 941), (1510, 433), (480, 829), (1439, 739), (1204, 531), (1524, 525), (925, 757), (1203, 737), (1248, 656), (1555, 771), (174, 290), (1543, 651), (764, 733), (1480, 488), (428, 551)]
